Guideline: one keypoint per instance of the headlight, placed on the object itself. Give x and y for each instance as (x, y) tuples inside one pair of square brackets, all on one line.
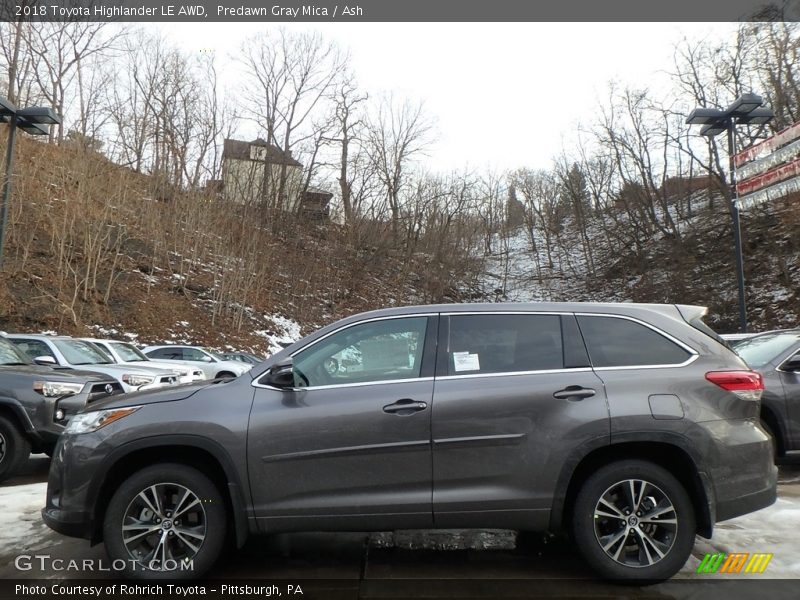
[(92, 421), (57, 389), (138, 380)]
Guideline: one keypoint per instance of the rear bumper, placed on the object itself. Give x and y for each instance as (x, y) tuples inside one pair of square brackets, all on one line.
[(742, 468), (747, 503)]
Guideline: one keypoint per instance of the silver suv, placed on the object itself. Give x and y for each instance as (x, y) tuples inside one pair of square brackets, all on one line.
[(632, 427)]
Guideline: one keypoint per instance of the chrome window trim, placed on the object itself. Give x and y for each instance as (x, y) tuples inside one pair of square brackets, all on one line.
[(515, 373), (507, 312), (256, 384)]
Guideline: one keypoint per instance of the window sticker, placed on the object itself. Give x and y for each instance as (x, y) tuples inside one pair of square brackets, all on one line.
[(465, 361)]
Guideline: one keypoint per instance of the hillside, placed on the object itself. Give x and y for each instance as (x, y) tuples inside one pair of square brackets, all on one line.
[(698, 268), (96, 249)]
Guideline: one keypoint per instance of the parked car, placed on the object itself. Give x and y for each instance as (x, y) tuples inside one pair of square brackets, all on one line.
[(212, 364), (621, 423), (776, 355), (37, 402), (67, 352), (245, 357), (125, 353)]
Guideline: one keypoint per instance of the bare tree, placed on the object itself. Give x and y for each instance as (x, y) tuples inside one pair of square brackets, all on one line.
[(398, 133)]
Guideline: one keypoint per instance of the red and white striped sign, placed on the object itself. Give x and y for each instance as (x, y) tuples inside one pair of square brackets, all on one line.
[(770, 169)]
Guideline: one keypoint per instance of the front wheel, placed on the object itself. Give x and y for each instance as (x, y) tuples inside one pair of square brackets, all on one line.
[(225, 375), (166, 521), (15, 448), (633, 521)]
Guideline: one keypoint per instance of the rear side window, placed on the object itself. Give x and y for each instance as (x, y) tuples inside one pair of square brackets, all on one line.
[(166, 353), (504, 344), (615, 342), (34, 348)]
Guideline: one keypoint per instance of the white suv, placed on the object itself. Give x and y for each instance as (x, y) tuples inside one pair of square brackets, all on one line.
[(69, 352), (213, 365), (125, 353)]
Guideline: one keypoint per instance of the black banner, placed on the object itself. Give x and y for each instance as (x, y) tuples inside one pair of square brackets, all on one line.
[(400, 10)]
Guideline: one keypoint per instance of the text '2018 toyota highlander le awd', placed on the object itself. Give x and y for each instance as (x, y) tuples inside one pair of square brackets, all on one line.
[(630, 426)]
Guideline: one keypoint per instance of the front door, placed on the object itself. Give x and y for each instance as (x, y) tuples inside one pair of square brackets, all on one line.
[(349, 446)]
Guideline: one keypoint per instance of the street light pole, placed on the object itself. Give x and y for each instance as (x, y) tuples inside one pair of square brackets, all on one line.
[(35, 120), (12, 133), (747, 109), (737, 228)]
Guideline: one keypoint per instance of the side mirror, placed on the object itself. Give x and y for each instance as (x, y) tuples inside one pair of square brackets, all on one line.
[(792, 365), (46, 361), (280, 375)]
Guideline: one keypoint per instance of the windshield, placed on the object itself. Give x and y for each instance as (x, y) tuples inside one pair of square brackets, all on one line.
[(128, 352), (10, 355), (763, 349), (77, 352)]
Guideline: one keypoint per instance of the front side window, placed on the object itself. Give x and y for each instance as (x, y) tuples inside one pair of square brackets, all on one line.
[(375, 351), (482, 344), (615, 342)]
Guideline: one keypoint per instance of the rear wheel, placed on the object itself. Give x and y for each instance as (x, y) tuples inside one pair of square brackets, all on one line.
[(15, 448), (167, 521), (633, 521)]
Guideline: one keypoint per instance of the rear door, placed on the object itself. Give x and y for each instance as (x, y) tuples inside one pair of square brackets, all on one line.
[(514, 396)]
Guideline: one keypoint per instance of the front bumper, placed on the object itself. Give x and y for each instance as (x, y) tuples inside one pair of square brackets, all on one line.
[(72, 524)]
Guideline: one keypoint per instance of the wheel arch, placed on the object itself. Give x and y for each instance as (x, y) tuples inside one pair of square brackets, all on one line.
[(205, 455), (663, 453)]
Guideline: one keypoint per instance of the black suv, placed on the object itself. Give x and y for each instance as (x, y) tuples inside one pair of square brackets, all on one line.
[(36, 403), (634, 427)]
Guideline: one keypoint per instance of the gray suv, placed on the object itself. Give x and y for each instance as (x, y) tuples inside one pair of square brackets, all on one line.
[(632, 427), (37, 402)]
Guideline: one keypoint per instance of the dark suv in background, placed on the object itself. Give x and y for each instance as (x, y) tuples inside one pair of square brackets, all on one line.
[(633, 427), (37, 402), (776, 355)]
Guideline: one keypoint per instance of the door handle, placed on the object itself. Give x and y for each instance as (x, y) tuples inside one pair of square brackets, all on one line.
[(574, 392), (405, 407)]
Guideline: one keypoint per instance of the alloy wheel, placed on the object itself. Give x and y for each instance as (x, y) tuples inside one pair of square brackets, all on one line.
[(164, 525), (2, 447), (635, 523)]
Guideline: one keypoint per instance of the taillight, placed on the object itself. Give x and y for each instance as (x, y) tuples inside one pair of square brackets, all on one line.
[(748, 385)]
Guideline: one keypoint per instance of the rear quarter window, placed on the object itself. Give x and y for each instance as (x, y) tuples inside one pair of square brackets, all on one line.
[(617, 342)]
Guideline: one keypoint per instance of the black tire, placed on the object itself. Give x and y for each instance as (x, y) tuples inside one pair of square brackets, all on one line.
[(225, 375), (637, 552), (128, 507), (15, 448)]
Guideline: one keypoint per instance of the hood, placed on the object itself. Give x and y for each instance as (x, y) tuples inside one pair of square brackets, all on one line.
[(114, 368), (164, 394), (44, 372)]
